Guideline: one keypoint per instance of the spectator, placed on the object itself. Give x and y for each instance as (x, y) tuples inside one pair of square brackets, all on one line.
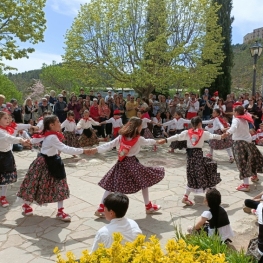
[(258, 113), (229, 108), (108, 96), (52, 99), (61, 109), (43, 107), (75, 107), (206, 93), (192, 107), (64, 94), (181, 107), (99, 97), (17, 111), (115, 208), (91, 95), (82, 94), (30, 111), (104, 113), (172, 105), (220, 105), (163, 107), (131, 107), (206, 107), (2, 100), (94, 114)]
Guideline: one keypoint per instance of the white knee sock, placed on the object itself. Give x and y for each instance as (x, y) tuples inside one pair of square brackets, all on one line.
[(145, 194), (106, 193), (187, 192), (211, 151), (246, 180), (4, 190), (229, 151), (60, 204)]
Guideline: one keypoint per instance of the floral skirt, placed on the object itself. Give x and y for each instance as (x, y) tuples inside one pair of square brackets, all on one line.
[(249, 159), (39, 186), (146, 133), (84, 141), (221, 144), (178, 144), (71, 139), (10, 176), (130, 176), (201, 171)]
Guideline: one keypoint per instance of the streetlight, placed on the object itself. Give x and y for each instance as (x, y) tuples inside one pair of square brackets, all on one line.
[(255, 51)]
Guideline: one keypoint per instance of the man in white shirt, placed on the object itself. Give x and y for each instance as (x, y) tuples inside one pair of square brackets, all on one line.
[(115, 208)]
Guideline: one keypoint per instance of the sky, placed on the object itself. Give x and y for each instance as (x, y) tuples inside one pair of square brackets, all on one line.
[(60, 16)]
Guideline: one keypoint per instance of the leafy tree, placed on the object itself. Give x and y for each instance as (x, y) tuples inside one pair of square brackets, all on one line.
[(8, 89), (222, 83), (20, 21), (145, 45)]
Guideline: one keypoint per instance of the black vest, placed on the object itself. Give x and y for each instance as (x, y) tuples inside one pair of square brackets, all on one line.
[(219, 221), (260, 237)]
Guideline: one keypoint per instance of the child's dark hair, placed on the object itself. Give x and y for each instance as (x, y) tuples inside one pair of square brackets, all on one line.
[(45, 113), (118, 203), (240, 110), (131, 129), (179, 113), (47, 121), (213, 198), (70, 113), (195, 121), (217, 111)]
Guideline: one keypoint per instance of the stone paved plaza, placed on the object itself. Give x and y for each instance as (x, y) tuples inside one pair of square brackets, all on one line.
[(32, 239)]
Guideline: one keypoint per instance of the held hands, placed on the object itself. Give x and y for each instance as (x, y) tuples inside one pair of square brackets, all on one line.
[(162, 141), (223, 136), (90, 151), (26, 142)]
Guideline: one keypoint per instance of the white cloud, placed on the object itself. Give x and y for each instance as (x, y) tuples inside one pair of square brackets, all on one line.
[(35, 61), (67, 7)]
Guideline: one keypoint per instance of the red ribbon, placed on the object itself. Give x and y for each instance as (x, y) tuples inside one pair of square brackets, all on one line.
[(86, 119), (13, 125), (70, 120), (246, 117), (47, 133)]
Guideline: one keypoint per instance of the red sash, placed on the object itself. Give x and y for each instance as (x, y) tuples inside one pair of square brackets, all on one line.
[(225, 124), (47, 133), (13, 125), (195, 135), (9, 129), (125, 146), (86, 119), (247, 117), (116, 131)]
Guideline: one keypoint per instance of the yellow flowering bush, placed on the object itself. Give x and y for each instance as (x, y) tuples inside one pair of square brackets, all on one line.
[(142, 251)]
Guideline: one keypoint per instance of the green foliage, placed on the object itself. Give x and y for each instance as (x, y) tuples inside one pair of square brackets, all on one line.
[(8, 89), (20, 21), (146, 45), (242, 72), (222, 83)]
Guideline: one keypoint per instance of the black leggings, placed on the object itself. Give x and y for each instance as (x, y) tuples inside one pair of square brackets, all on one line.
[(252, 204)]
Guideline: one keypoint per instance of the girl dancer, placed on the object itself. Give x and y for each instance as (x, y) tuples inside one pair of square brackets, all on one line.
[(128, 175), (116, 122), (201, 172), (69, 133), (158, 130), (88, 136), (248, 158), (177, 124), (8, 173), (219, 125), (45, 181), (216, 216)]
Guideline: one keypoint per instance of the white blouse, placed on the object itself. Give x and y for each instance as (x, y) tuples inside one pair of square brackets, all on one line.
[(240, 130), (183, 136), (194, 107), (115, 122), (225, 232), (7, 141), (21, 126), (83, 124), (144, 123), (69, 126), (40, 125), (217, 125), (179, 124), (52, 145), (135, 149)]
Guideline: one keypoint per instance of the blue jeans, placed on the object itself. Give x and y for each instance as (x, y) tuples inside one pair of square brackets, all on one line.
[(17, 147)]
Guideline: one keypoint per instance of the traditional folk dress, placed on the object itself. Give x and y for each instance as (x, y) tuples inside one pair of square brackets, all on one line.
[(178, 126), (201, 171), (8, 172), (88, 136), (128, 175), (218, 125), (158, 131), (71, 139), (116, 125), (248, 158), (45, 181), (259, 137), (146, 133)]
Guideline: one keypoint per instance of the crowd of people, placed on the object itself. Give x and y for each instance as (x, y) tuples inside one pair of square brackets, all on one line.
[(73, 126)]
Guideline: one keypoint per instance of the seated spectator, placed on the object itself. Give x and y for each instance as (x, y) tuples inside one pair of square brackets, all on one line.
[(251, 205), (218, 222), (115, 208)]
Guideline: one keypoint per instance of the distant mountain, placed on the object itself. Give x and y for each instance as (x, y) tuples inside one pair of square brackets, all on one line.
[(242, 72)]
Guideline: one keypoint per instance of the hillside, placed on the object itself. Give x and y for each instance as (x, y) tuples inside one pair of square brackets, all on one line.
[(242, 72)]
